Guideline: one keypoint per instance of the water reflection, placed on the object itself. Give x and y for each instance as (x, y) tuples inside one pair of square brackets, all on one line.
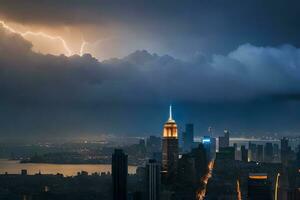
[(14, 167)]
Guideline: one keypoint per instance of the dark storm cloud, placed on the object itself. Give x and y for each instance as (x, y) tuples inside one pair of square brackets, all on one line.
[(58, 94), (181, 27)]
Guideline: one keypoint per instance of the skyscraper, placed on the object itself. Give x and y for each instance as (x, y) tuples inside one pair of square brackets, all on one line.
[(224, 140), (268, 153), (153, 180), (206, 141), (260, 153), (188, 137), (252, 153), (119, 175), (169, 148), (284, 151), (244, 153)]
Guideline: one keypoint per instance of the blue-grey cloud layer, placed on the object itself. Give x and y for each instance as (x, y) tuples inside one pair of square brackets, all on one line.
[(249, 89)]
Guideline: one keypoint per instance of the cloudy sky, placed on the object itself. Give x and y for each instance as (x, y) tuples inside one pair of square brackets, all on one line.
[(82, 68)]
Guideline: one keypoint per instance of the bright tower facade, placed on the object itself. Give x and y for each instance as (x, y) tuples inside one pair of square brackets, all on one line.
[(170, 147)]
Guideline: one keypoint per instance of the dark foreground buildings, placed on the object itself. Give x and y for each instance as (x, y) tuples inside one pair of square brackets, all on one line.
[(119, 175), (259, 187)]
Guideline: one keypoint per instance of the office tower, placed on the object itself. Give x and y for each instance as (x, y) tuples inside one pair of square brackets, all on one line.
[(259, 187), (169, 149), (213, 147), (268, 153), (260, 153), (224, 140), (276, 153), (284, 151), (188, 137), (244, 153), (201, 161), (153, 180), (252, 153), (206, 141), (236, 153), (119, 175)]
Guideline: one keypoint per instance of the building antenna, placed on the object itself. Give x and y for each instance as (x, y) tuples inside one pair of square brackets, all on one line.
[(170, 113)]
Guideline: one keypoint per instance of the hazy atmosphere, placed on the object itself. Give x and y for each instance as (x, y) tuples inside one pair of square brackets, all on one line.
[(86, 68)]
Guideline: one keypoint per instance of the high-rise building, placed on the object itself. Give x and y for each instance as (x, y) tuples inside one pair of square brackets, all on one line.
[(224, 140), (285, 150), (201, 161), (252, 151), (213, 141), (153, 180), (206, 141), (119, 174), (244, 153), (268, 153), (259, 187), (276, 152), (188, 137), (169, 148), (260, 153), (213, 147)]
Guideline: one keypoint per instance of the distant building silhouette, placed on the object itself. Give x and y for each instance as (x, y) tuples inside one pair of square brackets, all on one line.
[(224, 140), (188, 137), (119, 174), (268, 153), (285, 151), (260, 153), (244, 153)]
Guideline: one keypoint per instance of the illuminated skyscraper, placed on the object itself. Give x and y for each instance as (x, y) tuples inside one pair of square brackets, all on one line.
[(169, 148)]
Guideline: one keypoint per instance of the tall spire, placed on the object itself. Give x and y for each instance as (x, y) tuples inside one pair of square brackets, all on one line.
[(170, 114)]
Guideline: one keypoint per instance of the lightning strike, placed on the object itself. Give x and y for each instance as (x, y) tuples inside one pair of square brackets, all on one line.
[(83, 44), (42, 34)]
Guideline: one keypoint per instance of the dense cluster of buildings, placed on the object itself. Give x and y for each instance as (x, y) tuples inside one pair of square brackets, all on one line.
[(217, 169), (176, 167)]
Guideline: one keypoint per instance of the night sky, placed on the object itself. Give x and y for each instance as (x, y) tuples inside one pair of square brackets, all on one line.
[(91, 68)]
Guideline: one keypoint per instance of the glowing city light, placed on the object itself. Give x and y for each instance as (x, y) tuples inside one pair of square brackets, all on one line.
[(276, 186), (201, 192), (207, 140), (238, 190)]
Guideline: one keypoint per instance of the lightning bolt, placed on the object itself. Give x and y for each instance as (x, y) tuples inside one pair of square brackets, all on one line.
[(42, 34), (84, 44)]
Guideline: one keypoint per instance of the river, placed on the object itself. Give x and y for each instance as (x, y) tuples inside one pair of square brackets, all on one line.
[(15, 167)]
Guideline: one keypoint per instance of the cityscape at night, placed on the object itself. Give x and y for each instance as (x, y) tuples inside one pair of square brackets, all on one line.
[(149, 100)]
